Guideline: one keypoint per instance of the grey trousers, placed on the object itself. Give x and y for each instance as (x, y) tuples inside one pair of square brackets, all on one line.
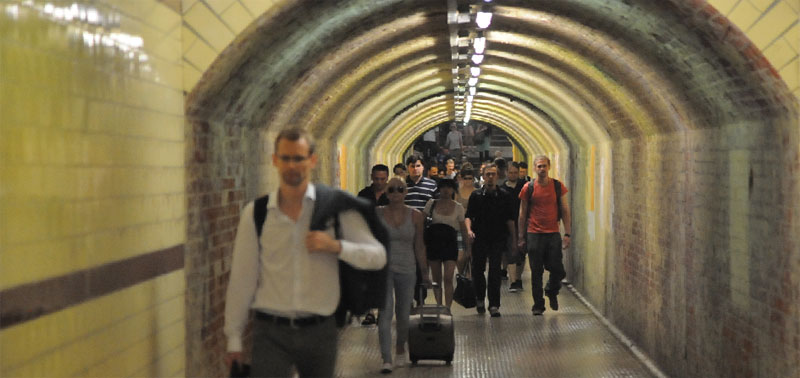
[(278, 349)]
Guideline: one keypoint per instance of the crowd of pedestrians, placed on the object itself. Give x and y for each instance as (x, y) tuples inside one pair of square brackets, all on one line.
[(439, 220), (478, 218)]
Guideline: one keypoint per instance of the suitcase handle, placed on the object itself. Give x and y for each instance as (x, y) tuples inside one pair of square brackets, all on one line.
[(421, 287), (428, 322)]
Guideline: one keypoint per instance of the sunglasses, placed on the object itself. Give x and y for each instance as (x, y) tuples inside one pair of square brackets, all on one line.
[(398, 189), (292, 158)]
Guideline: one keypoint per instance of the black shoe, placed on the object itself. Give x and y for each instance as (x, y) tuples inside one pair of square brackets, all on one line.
[(515, 287), (553, 301), (503, 274), (494, 311), (481, 308), (537, 311)]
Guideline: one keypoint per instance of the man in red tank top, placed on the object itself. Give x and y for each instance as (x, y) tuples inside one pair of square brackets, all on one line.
[(538, 232)]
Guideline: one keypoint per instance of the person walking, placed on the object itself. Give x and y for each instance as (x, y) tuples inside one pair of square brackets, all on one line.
[(441, 238), (490, 226), (405, 225), (376, 192), (290, 275), (538, 232), (483, 137), (516, 260), (420, 190), (399, 169), (454, 142), (465, 188), (376, 195)]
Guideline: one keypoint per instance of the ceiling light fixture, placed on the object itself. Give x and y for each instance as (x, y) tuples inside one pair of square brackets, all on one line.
[(483, 19)]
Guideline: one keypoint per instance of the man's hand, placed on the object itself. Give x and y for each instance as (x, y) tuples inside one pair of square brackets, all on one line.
[(233, 356), (565, 241), (318, 241), (521, 245), (471, 236)]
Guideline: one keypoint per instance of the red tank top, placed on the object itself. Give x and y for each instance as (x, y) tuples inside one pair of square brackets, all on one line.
[(543, 216)]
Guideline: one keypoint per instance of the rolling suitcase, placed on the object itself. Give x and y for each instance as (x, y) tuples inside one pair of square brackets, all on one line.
[(430, 333)]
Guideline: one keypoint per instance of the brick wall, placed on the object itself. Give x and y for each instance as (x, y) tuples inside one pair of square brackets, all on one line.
[(676, 248), (220, 181)]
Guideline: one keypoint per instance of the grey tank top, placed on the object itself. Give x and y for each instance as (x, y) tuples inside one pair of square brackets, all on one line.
[(401, 245)]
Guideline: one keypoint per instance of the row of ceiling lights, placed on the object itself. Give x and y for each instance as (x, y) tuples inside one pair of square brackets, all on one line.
[(468, 46)]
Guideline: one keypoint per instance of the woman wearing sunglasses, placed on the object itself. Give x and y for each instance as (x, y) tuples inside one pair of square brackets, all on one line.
[(405, 226)]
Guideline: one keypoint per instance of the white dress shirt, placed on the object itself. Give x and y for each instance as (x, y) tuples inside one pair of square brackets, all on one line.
[(284, 278)]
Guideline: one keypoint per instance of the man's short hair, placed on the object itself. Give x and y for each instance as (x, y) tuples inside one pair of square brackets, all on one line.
[(523, 164), (399, 165), (515, 164), (490, 165), (413, 159), (541, 157), (294, 134), (380, 168), (466, 172)]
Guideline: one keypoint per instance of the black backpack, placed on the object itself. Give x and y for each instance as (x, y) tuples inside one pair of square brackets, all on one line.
[(361, 290)]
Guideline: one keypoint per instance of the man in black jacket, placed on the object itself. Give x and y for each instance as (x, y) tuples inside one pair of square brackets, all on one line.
[(490, 226), (376, 195)]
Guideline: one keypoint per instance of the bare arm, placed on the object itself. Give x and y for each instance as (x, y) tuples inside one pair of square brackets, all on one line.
[(419, 245), (566, 219), (468, 226), (522, 221), (465, 236)]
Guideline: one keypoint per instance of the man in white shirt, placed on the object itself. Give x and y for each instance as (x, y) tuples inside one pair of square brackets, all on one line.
[(290, 275)]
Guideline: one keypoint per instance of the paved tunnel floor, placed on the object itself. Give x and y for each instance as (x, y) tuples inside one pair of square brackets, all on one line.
[(571, 342)]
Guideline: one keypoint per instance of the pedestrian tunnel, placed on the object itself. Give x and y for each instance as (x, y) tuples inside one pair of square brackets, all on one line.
[(673, 123)]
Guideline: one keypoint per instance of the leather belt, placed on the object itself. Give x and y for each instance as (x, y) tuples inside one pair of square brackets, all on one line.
[(292, 322)]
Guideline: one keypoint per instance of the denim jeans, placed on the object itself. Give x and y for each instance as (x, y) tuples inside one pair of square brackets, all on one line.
[(402, 286), (544, 252)]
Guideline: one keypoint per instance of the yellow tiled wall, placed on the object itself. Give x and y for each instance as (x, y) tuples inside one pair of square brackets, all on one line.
[(772, 25), (92, 172), (209, 26)]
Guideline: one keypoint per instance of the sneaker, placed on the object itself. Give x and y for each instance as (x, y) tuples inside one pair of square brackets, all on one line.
[(503, 274), (481, 308), (369, 319), (494, 311), (553, 301), (515, 287), (387, 368), (537, 311)]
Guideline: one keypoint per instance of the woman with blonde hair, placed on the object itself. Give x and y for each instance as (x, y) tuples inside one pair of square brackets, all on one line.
[(405, 225)]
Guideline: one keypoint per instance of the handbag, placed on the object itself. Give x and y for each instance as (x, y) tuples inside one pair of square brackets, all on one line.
[(464, 294)]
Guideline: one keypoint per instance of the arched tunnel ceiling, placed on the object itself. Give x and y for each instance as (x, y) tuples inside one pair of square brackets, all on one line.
[(375, 74)]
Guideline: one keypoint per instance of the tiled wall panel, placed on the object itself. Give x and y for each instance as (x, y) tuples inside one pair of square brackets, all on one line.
[(92, 172), (772, 25)]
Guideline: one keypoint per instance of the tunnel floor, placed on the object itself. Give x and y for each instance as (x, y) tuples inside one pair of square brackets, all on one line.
[(570, 342)]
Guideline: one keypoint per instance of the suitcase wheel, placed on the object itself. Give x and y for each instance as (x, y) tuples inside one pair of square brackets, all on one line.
[(414, 360), (449, 361)]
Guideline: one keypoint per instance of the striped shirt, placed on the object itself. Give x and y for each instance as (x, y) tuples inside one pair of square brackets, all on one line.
[(419, 193)]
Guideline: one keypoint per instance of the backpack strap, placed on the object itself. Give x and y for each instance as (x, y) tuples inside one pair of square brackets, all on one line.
[(558, 197), (556, 186), (260, 215)]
